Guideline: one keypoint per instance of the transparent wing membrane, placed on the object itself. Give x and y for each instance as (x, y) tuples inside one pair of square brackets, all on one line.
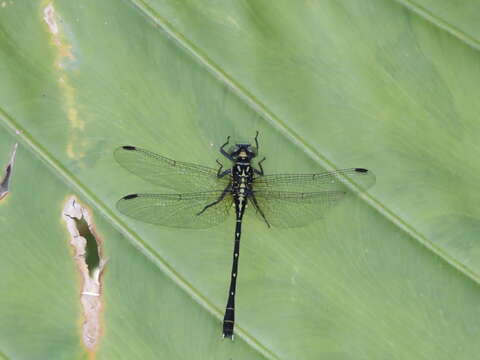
[(285, 200), (293, 200), (326, 181), (290, 209), (168, 173), (177, 210)]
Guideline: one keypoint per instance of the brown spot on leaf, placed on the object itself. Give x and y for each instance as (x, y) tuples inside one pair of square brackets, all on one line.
[(5, 182)]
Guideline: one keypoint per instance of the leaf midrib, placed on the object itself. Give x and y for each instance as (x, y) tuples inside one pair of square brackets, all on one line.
[(440, 23)]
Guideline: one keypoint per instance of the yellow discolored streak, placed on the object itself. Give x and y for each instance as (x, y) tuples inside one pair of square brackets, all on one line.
[(64, 56)]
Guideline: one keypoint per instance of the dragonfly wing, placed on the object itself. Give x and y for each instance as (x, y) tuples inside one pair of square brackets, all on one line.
[(326, 181), (168, 173), (177, 210), (290, 209)]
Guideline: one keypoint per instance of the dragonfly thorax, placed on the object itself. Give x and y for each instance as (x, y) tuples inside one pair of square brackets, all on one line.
[(242, 177)]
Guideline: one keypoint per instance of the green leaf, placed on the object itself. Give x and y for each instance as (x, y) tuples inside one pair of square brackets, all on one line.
[(389, 86)]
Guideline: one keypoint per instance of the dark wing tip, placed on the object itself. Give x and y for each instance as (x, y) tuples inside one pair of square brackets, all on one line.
[(361, 170), (131, 196), (129, 147)]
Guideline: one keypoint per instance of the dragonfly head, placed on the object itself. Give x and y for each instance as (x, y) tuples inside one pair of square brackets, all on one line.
[(243, 151)]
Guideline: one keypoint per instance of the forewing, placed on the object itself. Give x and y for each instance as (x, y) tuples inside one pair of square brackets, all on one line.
[(326, 181), (291, 209), (168, 173), (177, 210)]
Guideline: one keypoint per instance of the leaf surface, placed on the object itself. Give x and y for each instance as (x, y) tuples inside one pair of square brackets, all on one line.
[(389, 86)]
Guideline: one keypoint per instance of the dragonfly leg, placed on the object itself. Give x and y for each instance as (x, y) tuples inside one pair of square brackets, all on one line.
[(256, 140), (223, 152), (260, 172), (221, 174), (220, 168), (257, 207), (227, 189), (226, 172)]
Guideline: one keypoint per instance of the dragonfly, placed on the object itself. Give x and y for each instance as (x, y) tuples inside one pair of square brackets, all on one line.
[(204, 196)]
